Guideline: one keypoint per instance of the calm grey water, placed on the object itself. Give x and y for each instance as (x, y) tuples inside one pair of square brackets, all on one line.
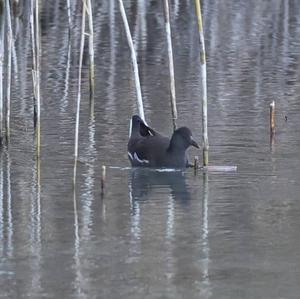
[(156, 234)]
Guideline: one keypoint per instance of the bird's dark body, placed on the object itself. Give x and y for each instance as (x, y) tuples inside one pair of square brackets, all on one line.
[(156, 152), (147, 148)]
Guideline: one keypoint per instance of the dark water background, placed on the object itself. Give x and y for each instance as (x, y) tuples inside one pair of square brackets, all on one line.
[(156, 234)]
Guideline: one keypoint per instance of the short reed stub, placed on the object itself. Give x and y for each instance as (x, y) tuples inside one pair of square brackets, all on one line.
[(272, 118), (196, 163), (103, 178)]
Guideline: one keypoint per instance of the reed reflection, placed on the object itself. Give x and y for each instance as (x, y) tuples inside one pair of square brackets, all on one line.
[(142, 184), (64, 100), (180, 213), (89, 182), (6, 216), (35, 226), (204, 237), (8, 211), (77, 244), (35, 212), (1, 204)]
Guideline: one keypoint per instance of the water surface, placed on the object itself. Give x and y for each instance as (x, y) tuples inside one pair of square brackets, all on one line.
[(156, 234)]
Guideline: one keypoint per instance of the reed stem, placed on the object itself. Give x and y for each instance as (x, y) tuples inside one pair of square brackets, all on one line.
[(69, 16), (9, 60), (272, 118), (103, 178), (204, 84), (33, 45), (91, 50), (2, 24), (196, 164), (171, 63), (37, 78), (79, 88), (272, 124), (134, 62), (35, 38)]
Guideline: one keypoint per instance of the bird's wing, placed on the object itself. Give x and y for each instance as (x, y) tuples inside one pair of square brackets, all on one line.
[(150, 149), (146, 131)]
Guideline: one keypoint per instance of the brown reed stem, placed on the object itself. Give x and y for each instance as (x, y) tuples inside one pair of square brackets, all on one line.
[(204, 84)]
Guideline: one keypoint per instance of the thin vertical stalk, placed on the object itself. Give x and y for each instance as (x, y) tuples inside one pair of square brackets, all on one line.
[(272, 118), (171, 63), (103, 179), (37, 77), (2, 23), (34, 24), (134, 62), (9, 59), (69, 16), (91, 51), (79, 89), (272, 124), (32, 31), (204, 84), (33, 44)]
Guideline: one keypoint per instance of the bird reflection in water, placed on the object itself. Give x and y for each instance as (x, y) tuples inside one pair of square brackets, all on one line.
[(143, 182), (174, 223)]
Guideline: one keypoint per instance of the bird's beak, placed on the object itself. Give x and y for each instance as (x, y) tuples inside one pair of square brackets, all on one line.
[(194, 143)]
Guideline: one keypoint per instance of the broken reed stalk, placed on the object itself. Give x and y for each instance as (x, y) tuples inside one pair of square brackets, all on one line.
[(171, 63), (196, 164), (1, 65), (272, 118), (37, 78), (9, 60), (79, 89), (204, 84), (134, 62), (91, 50)]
